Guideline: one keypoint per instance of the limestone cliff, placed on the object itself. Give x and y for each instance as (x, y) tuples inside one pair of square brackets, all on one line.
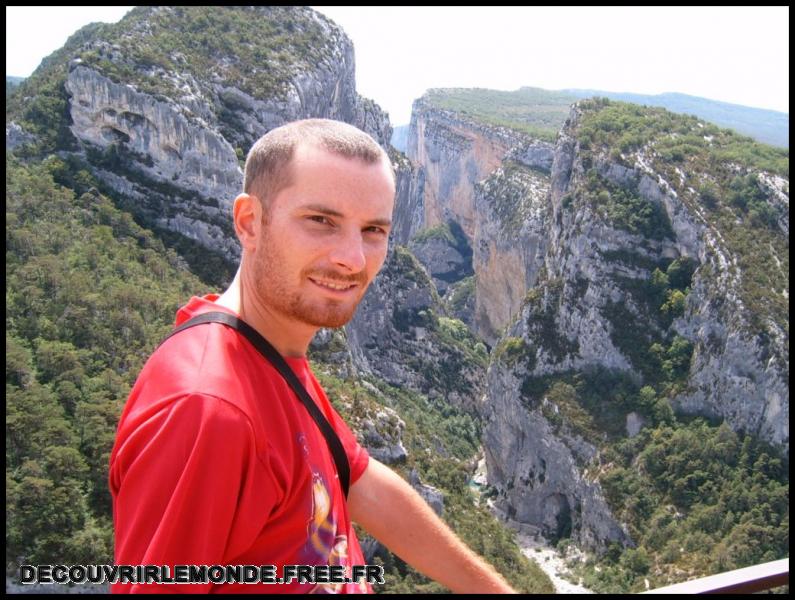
[(168, 128), (538, 470), (482, 180), (737, 372), (162, 147), (594, 310), (509, 242), (455, 154), (407, 218), (400, 333)]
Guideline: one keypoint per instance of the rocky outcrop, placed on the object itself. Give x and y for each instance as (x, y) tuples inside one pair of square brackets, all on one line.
[(408, 215), (397, 334), (378, 428), (169, 148), (485, 180), (16, 136), (509, 243), (445, 253), (455, 154), (538, 473), (735, 374), (460, 298), (430, 494)]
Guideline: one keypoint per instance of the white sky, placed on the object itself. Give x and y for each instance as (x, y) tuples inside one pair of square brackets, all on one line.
[(732, 54)]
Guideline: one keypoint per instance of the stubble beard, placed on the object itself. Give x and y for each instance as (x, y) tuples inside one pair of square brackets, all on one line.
[(274, 291)]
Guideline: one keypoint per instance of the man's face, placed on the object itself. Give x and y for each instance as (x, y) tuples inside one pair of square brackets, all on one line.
[(323, 230)]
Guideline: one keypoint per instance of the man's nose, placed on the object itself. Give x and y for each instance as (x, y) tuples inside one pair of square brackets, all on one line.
[(348, 252)]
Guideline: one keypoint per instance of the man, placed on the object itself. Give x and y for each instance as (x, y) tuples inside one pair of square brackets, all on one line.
[(215, 460)]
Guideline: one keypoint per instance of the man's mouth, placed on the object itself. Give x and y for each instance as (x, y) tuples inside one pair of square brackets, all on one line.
[(336, 286)]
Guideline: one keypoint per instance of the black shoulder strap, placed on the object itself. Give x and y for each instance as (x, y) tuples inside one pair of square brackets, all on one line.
[(270, 353)]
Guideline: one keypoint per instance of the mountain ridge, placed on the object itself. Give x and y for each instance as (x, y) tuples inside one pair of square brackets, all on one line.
[(765, 125)]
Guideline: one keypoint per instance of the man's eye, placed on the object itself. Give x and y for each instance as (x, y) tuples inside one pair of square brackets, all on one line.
[(376, 230), (319, 219)]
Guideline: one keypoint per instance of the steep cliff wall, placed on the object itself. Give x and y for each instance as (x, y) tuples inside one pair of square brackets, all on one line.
[(407, 218), (160, 145), (737, 372), (400, 332), (485, 180), (455, 154), (509, 242), (614, 223), (538, 471)]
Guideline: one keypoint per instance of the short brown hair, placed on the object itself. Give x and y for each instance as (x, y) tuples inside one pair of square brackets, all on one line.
[(268, 162)]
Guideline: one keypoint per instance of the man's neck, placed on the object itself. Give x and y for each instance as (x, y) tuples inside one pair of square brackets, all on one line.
[(291, 339)]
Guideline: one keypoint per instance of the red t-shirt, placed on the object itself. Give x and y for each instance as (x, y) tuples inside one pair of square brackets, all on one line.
[(217, 462)]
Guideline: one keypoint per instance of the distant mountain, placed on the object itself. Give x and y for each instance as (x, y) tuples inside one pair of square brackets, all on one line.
[(766, 126), (12, 82), (542, 112)]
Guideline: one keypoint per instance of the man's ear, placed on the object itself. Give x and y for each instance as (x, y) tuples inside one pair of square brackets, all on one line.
[(247, 216)]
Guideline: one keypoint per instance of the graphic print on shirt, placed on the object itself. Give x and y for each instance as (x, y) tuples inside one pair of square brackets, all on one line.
[(323, 545), (323, 541)]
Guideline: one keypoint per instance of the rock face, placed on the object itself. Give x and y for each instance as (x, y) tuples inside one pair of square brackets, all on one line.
[(509, 243), (484, 181), (455, 155), (408, 215), (731, 376), (430, 494), (396, 334), (581, 262), (16, 136), (568, 323), (538, 473), (169, 149), (445, 253), (186, 153), (495, 185)]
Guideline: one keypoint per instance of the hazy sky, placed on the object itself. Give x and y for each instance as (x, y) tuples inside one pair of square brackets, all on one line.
[(733, 54)]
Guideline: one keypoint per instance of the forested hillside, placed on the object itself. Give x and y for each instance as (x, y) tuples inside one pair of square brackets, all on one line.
[(88, 295)]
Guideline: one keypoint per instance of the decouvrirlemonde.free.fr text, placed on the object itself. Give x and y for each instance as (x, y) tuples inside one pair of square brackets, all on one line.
[(66, 574)]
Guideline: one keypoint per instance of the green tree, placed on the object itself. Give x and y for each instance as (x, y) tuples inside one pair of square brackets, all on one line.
[(679, 354), (647, 398), (663, 412), (680, 272), (674, 305)]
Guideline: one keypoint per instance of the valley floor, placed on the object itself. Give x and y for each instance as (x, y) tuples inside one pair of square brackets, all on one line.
[(534, 546)]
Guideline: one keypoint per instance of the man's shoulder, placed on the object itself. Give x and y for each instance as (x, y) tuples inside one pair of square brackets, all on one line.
[(208, 359), (213, 360), (196, 349)]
